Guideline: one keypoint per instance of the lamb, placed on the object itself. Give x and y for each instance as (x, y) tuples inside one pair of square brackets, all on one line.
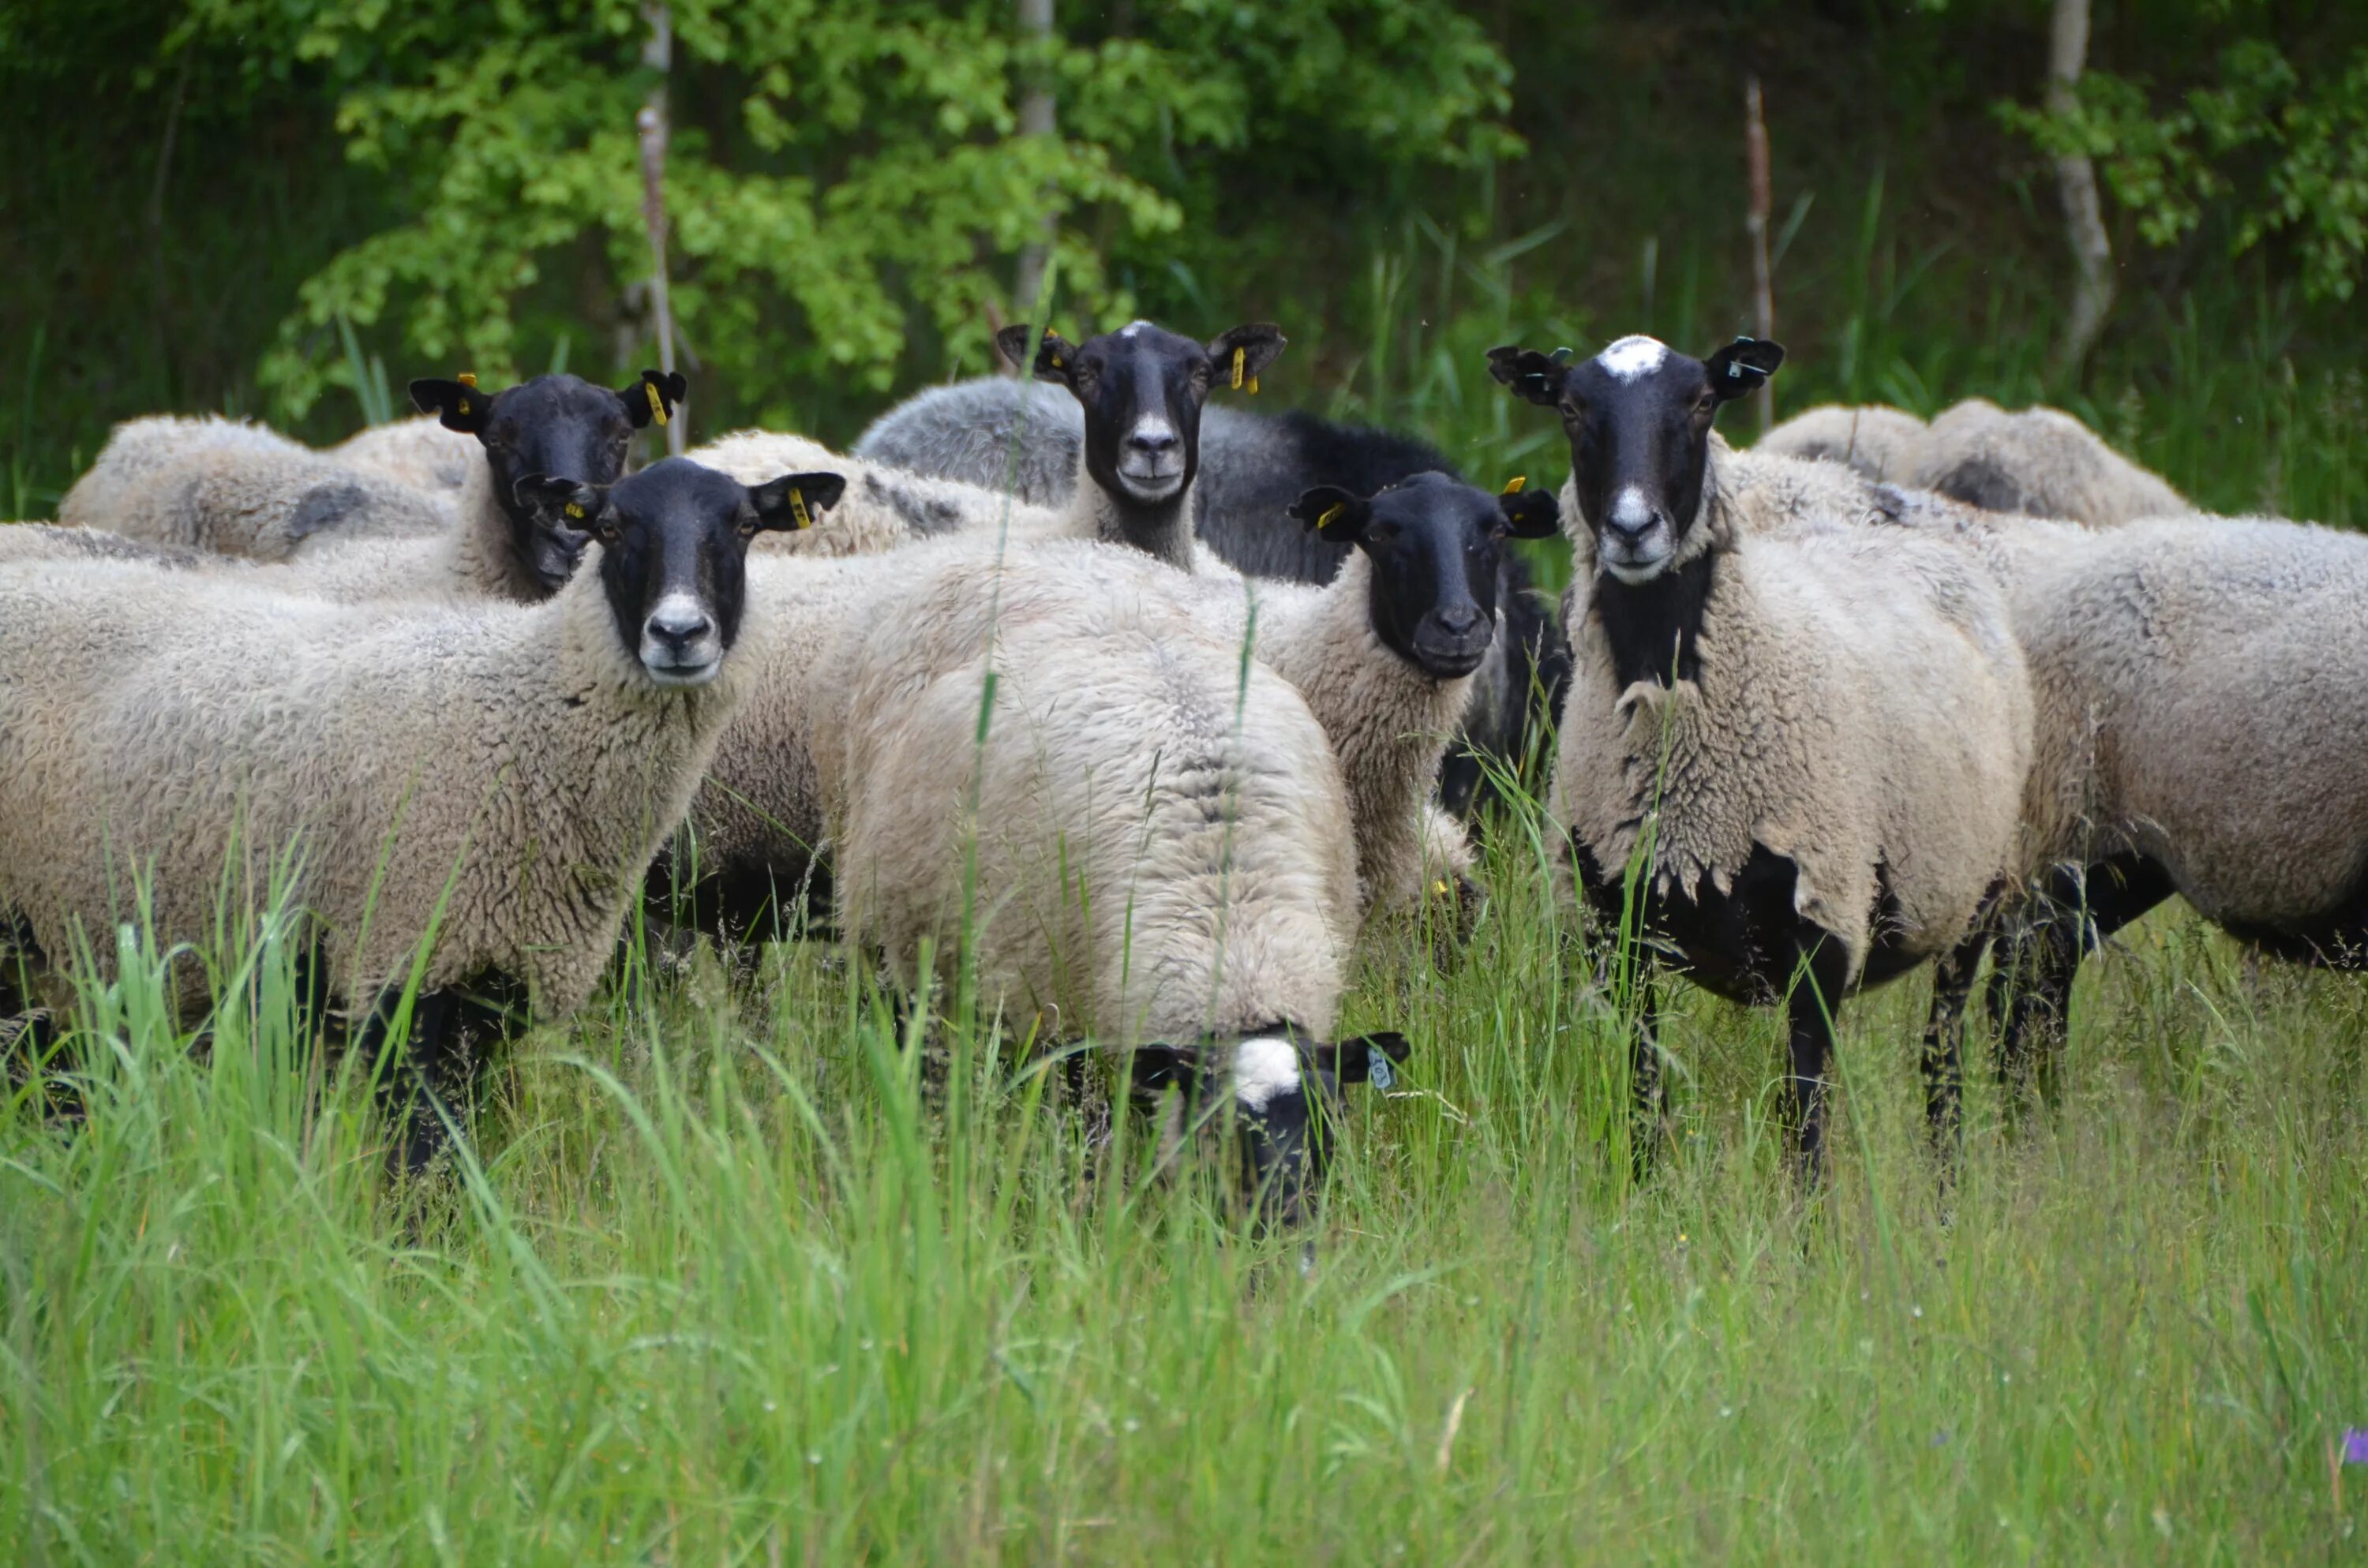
[(1144, 842), (2040, 463), (2201, 689), (420, 453), (1809, 743), (884, 510), (1878, 442), (475, 789)]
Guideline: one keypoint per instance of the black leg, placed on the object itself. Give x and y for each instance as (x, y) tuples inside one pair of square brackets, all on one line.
[(1648, 1085), (2031, 984), (1816, 997), (438, 1068), (1944, 1034)]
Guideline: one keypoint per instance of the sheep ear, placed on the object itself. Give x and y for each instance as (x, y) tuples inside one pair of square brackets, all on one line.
[(461, 404), (1531, 375), (654, 397), (1338, 515), (1056, 357), (1532, 514), (1366, 1058), (1240, 355), (1014, 344), (1743, 366), (561, 503), (791, 502)]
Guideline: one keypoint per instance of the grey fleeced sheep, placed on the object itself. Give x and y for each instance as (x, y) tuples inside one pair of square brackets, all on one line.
[(2040, 463), (996, 432), (883, 509), (238, 490), (490, 780), (1812, 739), (1878, 442)]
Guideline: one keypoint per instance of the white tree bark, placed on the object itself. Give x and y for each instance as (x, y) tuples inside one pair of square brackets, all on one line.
[(2076, 183), (1755, 224), (657, 54)]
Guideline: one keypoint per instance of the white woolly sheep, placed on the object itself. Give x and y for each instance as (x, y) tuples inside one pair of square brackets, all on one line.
[(884, 510), (488, 782), (1143, 841), (1812, 742), (1878, 442), (2040, 463)]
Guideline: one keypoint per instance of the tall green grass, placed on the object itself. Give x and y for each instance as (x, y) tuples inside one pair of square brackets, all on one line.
[(725, 1282)]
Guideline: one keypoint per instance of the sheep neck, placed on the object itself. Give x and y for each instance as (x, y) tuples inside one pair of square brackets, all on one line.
[(1161, 529), (1654, 628), (485, 545)]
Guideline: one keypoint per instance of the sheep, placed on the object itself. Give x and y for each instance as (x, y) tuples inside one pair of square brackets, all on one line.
[(1811, 742), (1141, 390), (2202, 686), (1385, 654), (1143, 842), (884, 510), (419, 452), (1879, 442), (2040, 463), (238, 490), (475, 789), (1250, 467)]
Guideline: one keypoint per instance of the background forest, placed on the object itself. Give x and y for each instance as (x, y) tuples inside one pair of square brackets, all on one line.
[(247, 204)]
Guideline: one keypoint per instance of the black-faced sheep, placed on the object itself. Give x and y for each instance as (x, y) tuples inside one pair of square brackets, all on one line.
[(1800, 752), (474, 790)]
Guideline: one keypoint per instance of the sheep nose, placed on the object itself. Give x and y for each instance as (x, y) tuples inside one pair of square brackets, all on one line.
[(1460, 621), (1153, 443), (1631, 527), (679, 628)]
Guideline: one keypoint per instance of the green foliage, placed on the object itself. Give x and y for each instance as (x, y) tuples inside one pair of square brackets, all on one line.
[(2273, 153), (837, 174)]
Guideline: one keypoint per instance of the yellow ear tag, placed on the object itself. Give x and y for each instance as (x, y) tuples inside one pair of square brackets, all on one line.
[(1238, 356), (797, 509), (1330, 512), (574, 510), (464, 405), (658, 404), (467, 378), (1438, 889), (1056, 361), (1513, 485)]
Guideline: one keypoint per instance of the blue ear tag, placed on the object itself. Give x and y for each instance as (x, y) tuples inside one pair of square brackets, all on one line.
[(1379, 1073)]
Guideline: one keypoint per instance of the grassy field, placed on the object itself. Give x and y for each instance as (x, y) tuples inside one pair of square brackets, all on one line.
[(729, 1286)]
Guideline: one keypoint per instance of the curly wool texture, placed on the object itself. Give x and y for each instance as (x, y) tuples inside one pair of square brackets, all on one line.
[(2201, 687), (1388, 723), (2040, 463), (193, 729), (238, 490), (882, 508), (419, 452), (1861, 708), (1160, 832), (1874, 440)]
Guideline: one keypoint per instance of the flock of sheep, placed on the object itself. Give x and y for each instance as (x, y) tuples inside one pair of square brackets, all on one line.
[(1144, 710)]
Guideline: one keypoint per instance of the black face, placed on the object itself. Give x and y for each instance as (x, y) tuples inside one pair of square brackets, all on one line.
[(1284, 1098), (560, 427), (1639, 417), (674, 549), (1142, 388), (1434, 543)]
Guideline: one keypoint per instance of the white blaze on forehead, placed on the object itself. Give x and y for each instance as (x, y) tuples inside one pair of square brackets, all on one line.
[(1132, 327), (1264, 1067), (1630, 509), (1632, 357)]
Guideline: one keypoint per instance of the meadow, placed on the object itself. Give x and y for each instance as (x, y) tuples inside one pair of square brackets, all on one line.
[(724, 1279)]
